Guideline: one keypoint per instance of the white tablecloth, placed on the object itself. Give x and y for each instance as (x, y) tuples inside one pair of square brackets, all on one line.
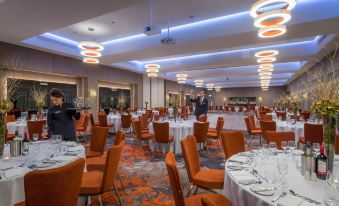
[(241, 195), (141, 112), (116, 121), (178, 130), (20, 126), (12, 188)]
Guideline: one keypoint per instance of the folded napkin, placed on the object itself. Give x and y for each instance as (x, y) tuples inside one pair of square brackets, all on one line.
[(242, 176), (16, 172), (8, 164), (291, 200), (77, 148)]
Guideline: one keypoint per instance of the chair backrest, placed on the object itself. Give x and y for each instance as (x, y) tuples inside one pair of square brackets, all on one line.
[(85, 123), (126, 121), (156, 117), (111, 167), (218, 122), (101, 113), (79, 122), (206, 201), (251, 121), (200, 130), (137, 129), (265, 117), (161, 131), (267, 126), (174, 178), (91, 118), (313, 133), (119, 137), (202, 118), (10, 118), (191, 156), (54, 187), (161, 111), (248, 126), (35, 127), (278, 137), (103, 120), (306, 114), (219, 129), (233, 143), (99, 136)]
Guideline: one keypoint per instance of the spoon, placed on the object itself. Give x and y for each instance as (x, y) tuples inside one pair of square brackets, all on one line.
[(280, 196)]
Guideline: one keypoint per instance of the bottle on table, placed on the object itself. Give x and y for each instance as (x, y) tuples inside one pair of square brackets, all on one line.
[(321, 164)]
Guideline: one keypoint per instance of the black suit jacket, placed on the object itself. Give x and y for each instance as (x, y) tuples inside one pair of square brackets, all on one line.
[(200, 107)]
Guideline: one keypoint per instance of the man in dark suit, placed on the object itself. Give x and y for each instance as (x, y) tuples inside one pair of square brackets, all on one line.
[(201, 105)]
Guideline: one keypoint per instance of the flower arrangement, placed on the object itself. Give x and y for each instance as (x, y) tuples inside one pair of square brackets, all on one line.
[(121, 101), (39, 96)]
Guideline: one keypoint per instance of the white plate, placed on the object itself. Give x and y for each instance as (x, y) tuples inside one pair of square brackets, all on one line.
[(298, 152), (265, 190)]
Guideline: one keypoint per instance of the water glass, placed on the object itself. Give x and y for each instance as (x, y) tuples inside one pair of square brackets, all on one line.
[(283, 170), (35, 137), (284, 146), (273, 147)]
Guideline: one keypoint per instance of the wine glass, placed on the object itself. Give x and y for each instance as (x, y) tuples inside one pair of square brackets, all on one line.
[(45, 128), (35, 137), (273, 147), (284, 146), (316, 149)]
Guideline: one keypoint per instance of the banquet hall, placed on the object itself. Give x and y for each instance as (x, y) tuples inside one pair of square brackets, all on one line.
[(169, 103)]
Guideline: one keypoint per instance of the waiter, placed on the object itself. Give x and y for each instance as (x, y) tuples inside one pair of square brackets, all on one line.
[(60, 117), (201, 105)]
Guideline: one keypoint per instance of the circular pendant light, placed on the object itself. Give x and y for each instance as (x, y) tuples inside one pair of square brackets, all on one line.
[(266, 70), (265, 73), (181, 75), (90, 60), (181, 82), (152, 70), (152, 74), (271, 18), (181, 79), (90, 53), (265, 66), (152, 66), (90, 45), (272, 31), (265, 77), (266, 59), (266, 53), (259, 5), (198, 81), (265, 81)]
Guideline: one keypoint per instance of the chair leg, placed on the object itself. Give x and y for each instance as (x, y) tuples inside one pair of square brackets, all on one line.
[(196, 190), (100, 201), (190, 189), (122, 185), (117, 193), (154, 148)]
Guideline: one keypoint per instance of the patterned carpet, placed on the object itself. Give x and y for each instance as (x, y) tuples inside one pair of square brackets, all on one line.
[(145, 178)]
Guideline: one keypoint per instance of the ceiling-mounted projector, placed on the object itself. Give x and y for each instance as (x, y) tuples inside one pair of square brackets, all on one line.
[(152, 30), (168, 41)]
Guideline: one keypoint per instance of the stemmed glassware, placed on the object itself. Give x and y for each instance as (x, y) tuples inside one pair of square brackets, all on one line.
[(35, 137), (284, 146), (273, 148), (283, 170), (291, 147)]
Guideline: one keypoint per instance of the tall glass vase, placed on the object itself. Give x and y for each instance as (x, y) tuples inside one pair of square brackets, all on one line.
[(329, 131), (2, 133)]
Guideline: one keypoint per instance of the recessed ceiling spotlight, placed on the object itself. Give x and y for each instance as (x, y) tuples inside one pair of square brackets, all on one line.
[(272, 18), (152, 66), (259, 5), (272, 31), (90, 60), (91, 29), (266, 59), (266, 53), (90, 53), (91, 45)]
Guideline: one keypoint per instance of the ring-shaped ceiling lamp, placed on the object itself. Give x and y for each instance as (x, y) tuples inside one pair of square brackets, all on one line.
[(152, 74), (90, 53), (90, 45), (271, 18), (266, 59), (210, 89), (152, 70), (181, 82), (181, 75), (198, 81), (90, 60), (262, 66), (181, 79), (266, 53), (266, 70), (198, 85), (265, 77), (257, 6), (265, 81), (152, 66), (265, 73), (272, 31)]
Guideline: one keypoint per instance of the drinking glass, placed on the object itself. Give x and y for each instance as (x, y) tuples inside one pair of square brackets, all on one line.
[(75, 102), (283, 170), (316, 149), (291, 147), (273, 147), (36, 151), (35, 137), (284, 146)]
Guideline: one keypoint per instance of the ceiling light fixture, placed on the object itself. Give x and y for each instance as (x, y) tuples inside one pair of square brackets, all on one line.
[(198, 81), (181, 75), (152, 66), (152, 70), (90, 45), (266, 59), (271, 18), (265, 77), (265, 73), (272, 31), (266, 53), (181, 82), (152, 74), (90, 53), (181, 79), (90, 60), (259, 5), (266, 70)]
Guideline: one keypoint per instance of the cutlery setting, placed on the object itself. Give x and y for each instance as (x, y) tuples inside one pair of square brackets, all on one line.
[(304, 197)]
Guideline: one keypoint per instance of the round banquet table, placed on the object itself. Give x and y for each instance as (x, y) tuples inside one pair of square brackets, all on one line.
[(116, 121), (241, 195), (180, 130), (13, 171), (20, 126)]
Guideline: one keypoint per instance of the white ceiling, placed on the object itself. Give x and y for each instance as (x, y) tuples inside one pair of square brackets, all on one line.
[(218, 43)]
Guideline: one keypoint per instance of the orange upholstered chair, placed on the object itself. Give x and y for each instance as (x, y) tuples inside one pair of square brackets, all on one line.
[(103, 121), (216, 136), (10, 118), (252, 123), (216, 127), (54, 187), (312, 133), (101, 113), (79, 122), (201, 178), (200, 130), (278, 137), (82, 129), (337, 144), (94, 123), (98, 182), (177, 190), (207, 200), (233, 143), (139, 135), (251, 129), (202, 118), (97, 145), (161, 134), (281, 115), (143, 119), (35, 127), (267, 126), (126, 122), (265, 117)]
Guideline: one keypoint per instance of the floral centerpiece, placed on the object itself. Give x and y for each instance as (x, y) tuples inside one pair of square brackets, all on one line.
[(175, 104), (39, 97), (121, 102), (294, 102)]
